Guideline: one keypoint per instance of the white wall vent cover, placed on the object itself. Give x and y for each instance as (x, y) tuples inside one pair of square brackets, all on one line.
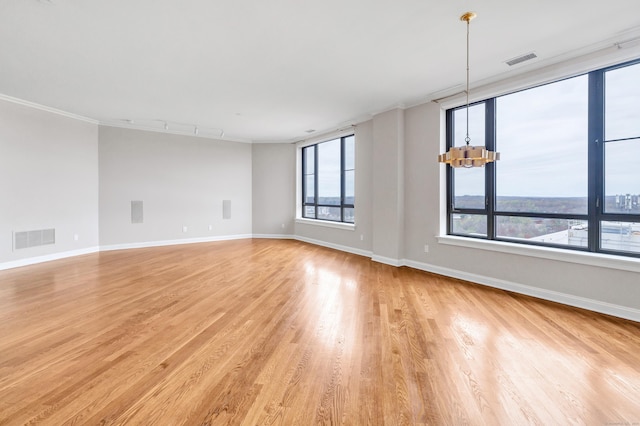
[(39, 237), (226, 209), (137, 212)]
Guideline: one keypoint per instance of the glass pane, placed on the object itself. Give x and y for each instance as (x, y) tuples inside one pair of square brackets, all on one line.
[(349, 153), (329, 172), (567, 232), (329, 213), (476, 125), (309, 188), (349, 215), (349, 187), (470, 224), (622, 176), (308, 154), (622, 103), (468, 189), (310, 212), (620, 236), (541, 134)]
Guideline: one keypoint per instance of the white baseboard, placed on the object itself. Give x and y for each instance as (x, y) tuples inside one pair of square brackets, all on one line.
[(387, 260), (275, 236), (148, 244), (347, 249), (46, 258), (540, 293)]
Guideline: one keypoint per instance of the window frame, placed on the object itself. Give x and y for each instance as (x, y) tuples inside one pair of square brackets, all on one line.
[(596, 196), (343, 204)]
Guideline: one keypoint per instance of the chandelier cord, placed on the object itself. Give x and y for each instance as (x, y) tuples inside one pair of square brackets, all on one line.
[(467, 156)]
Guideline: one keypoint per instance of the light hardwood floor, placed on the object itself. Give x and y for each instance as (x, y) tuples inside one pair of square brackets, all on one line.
[(282, 332)]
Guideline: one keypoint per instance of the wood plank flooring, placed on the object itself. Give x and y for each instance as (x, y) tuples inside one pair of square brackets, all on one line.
[(260, 332)]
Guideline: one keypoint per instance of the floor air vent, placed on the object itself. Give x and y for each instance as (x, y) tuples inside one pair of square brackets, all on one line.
[(40, 237)]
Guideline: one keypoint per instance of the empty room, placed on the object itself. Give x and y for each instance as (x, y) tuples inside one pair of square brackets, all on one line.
[(297, 213)]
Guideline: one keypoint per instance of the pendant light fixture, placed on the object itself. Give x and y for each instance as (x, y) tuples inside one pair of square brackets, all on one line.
[(468, 155)]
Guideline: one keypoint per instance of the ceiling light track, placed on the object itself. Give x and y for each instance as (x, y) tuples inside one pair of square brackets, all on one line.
[(175, 127)]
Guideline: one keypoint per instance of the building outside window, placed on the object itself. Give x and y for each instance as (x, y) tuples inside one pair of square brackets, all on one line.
[(328, 180), (569, 173)]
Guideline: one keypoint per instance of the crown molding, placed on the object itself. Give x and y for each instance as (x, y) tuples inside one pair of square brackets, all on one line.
[(47, 109)]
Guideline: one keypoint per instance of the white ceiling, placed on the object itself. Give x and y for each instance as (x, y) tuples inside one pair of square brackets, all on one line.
[(269, 70)]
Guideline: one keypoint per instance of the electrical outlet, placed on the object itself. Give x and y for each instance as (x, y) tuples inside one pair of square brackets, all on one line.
[(283, 226), (76, 237), (210, 227), (361, 237), (426, 248), (184, 229)]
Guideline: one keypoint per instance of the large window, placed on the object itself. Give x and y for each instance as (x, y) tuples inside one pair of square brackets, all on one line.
[(569, 173), (328, 180)]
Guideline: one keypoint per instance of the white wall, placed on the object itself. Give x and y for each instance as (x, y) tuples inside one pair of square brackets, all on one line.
[(48, 179), (388, 186), (182, 181), (274, 188), (424, 177)]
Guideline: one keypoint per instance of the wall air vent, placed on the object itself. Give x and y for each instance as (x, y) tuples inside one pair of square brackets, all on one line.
[(137, 212), (226, 209), (521, 58), (40, 237)]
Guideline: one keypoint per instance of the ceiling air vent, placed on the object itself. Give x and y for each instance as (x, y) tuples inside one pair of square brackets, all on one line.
[(520, 59)]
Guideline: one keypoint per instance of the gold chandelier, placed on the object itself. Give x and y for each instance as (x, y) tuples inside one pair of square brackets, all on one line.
[(468, 155)]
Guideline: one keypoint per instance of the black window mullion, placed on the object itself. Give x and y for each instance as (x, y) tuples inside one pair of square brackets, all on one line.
[(305, 153), (620, 217), (540, 215), (304, 180), (596, 157), (315, 181), (449, 170), (490, 172), (342, 178)]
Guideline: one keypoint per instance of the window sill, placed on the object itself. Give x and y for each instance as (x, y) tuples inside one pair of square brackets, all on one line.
[(563, 255), (327, 224)]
